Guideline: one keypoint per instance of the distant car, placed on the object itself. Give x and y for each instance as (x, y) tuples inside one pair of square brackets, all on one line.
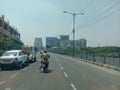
[(30, 57), (13, 58), (34, 56)]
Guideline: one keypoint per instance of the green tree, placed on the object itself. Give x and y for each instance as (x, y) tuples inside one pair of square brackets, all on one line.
[(5, 43)]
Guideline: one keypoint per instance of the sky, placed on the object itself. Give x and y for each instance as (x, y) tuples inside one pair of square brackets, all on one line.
[(99, 25)]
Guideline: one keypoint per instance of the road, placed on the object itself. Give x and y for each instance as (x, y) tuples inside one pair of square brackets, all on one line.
[(64, 73)]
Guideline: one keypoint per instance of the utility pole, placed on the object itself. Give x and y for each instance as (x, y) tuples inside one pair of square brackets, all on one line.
[(74, 15)]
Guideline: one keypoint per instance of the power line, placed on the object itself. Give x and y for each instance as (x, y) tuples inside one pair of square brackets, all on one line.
[(92, 20), (102, 13), (101, 18), (87, 5), (83, 10), (106, 16)]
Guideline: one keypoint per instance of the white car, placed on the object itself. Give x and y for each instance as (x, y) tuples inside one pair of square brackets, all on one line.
[(13, 58), (30, 58)]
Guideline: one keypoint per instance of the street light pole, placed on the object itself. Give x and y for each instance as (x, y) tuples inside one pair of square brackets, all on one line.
[(74, 34), (74, 14)]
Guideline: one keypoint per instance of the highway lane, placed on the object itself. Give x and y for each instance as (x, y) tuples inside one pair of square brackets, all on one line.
[(64, 74), (30, 78), (89, 77)]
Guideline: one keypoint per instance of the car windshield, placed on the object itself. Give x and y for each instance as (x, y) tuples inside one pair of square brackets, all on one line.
[(10, 54)]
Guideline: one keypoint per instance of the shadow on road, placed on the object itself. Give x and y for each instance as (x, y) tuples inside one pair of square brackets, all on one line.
[(48, 71), (14, 68)]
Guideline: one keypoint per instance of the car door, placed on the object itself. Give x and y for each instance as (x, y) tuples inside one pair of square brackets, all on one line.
[(22, 57)]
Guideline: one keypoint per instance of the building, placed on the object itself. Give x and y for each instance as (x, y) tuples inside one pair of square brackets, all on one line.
[(7, 30), (83, 43), (64, 37), (64, 41), (38, 43), (52, 42)]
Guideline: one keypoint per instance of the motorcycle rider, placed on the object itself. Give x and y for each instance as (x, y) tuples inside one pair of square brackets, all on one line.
[(44, 56)]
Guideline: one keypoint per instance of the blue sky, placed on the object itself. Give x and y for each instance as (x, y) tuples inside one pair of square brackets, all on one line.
[(100, 24)]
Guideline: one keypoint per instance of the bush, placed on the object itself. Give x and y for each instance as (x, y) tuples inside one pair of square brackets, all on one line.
[(0, 53)]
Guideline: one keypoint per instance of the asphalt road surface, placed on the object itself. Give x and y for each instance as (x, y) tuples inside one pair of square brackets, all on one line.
[(64, 73)]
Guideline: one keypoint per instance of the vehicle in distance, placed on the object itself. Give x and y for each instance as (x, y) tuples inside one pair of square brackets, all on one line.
[(31, 58), (13, 58)]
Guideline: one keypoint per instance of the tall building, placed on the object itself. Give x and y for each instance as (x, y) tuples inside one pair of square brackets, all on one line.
[(64, 41), (7, 30), (52, 42), (83, 43), (38, 43), (64, 37)]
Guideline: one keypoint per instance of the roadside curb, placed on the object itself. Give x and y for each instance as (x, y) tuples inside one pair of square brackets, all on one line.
[(97, 63)]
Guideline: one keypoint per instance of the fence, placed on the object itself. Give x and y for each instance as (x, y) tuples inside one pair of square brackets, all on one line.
[(100, 60), (110, 61)]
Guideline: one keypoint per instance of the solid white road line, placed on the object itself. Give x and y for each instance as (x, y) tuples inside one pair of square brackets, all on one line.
[(65, 74), (73, 86), (14, 75), (2, 82)]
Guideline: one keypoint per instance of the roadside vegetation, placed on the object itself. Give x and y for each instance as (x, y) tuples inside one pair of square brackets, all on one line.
[(99, 51), (5, 44)]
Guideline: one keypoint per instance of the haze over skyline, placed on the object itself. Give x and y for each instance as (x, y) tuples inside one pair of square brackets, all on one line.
[(100, 24)]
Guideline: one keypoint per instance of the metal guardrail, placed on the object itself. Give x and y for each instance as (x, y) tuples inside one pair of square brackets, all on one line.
[(101, 60), (112, 61)]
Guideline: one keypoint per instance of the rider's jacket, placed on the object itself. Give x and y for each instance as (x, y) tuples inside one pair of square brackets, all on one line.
[(45, 56)]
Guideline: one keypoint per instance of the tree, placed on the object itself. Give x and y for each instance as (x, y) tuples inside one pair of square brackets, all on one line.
[(5, 43)]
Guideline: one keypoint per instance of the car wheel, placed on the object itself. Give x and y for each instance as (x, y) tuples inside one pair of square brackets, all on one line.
[(2, 68)]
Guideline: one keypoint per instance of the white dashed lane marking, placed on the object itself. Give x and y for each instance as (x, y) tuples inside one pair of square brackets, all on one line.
[(65, 74), (61, 68), (73, 86), (2, 82), (14, 75), (7, 88), (60, 64)]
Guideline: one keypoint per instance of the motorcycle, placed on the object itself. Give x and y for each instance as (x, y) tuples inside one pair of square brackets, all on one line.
[(44, 66)]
